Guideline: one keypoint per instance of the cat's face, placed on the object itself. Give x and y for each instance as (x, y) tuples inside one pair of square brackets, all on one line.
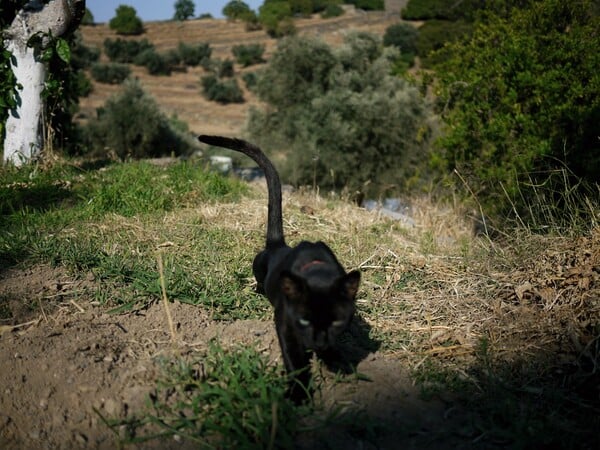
[(319, 316)]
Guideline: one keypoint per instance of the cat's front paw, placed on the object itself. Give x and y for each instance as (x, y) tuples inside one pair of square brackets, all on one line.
[(299, 393)]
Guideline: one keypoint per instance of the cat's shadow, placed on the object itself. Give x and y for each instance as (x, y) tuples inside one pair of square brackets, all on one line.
[(354, 345)]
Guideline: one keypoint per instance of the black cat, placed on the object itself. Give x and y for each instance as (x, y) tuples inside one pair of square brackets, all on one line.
[(313, 296)]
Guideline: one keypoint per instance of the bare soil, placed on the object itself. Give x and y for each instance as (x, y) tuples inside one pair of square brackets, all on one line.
[(69, 363)]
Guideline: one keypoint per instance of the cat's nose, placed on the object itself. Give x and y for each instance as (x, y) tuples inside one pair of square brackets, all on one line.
[(320, 340)]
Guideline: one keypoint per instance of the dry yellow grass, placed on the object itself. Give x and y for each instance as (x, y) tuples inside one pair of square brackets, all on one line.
[(433, 290)]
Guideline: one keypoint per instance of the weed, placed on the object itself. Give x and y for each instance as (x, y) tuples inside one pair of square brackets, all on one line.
[(227, 399), (233, 398)]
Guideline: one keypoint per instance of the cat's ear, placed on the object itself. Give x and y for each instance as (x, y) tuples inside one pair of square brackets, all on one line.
[(350, 284), (291, 286)]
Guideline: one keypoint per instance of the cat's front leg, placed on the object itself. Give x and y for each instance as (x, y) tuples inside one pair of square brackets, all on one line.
[(296, 359)]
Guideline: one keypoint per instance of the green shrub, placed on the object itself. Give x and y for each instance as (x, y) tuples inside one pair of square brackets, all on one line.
[(236, 9), (221, 91), (88, 18), (250, 54), (172, 57), (225, 69), (155, 63), (368, 5), (332, 10), (126, 21), (285, 27), (275, 18), (82, 56), (302, 8), (252, 22), (402, 35), (131, 125), (250, 79), (347, 122), (434, 34), (521, 100), (194, 55), (468, 10), (111, 73), (427, 10), (83, 84), (125, 51)]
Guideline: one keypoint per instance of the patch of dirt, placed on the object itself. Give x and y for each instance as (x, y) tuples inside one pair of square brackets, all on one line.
[(60, 371)]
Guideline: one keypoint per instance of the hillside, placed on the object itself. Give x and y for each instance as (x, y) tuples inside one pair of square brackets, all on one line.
[(180, 93), (129, 316)]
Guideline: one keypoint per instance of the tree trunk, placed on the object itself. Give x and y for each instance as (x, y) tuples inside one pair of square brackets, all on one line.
[(24, 131)]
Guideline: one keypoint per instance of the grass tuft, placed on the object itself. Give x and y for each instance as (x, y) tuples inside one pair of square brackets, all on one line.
[(226, 399)]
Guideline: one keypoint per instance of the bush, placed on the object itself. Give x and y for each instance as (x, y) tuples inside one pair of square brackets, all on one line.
[(111, 73), (427, 10), (434, 34), (250, 54), (83, 85), (225, 69), (368, 5), (155, 63), (347, 122), (285, 27), (82, 56), (251, 80), (521, 101), (126, 21), (302, 8), (131, 125), (125, 51), (236, 9), (88, 18), (252, 22), (275, 17), (172, 58), (402, 35), (332, 10), (194, 55), (467, 10), (227, 91)]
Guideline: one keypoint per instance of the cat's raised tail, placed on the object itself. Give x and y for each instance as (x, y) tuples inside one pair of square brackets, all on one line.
[(275, 236)]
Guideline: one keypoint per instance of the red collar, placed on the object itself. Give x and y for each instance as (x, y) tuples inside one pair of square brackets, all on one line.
[(308, 265)]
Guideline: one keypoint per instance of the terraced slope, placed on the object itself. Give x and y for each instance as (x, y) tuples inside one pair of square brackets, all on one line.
[(180, 93)]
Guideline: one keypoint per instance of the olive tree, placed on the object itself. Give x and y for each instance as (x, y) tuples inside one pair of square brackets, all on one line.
[(35, 31), (184, 9), (339, 116)]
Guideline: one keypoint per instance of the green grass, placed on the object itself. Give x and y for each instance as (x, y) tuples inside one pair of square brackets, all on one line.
[(227, 399), (110, 222), (114, 222)]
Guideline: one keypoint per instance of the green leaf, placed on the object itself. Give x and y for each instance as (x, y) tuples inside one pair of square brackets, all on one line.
[(63, 50)]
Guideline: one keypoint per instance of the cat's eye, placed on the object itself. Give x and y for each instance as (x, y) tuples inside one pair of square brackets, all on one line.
[(303, 322), (338, 323)]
